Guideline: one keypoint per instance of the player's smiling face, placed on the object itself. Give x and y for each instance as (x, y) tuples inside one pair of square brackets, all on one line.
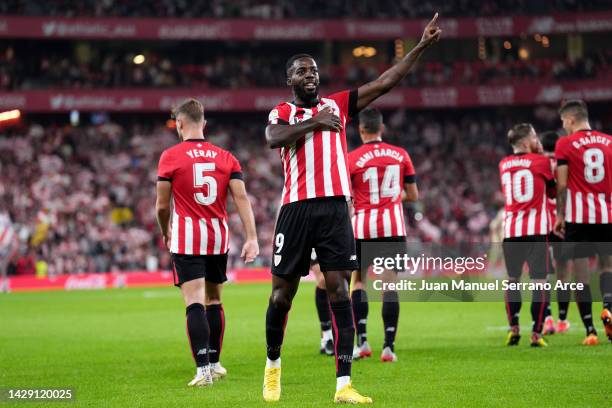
[(304, 79)]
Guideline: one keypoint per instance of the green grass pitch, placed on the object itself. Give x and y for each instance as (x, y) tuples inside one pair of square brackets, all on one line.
[(127, 347)]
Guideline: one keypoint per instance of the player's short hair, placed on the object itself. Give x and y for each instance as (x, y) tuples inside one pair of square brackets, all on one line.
[(370, 119), (549, 140), (519, 132), (576, 107), (294, 58), (192, 108)]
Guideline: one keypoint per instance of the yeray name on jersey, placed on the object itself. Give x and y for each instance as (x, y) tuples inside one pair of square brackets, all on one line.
[(206, 154)]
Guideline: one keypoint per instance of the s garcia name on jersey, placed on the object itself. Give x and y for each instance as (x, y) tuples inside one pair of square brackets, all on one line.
[(590, 139)]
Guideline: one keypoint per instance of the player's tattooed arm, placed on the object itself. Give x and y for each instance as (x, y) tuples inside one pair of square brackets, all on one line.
[(559, 227), (393, 76), (281, 135), (162, 209)]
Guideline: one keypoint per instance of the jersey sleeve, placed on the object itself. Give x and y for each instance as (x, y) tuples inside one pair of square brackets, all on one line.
[(546, 169), (346, 101), (279, 115), (409, 173), (351, 162), (165, 168), (236, 170), (549, 178), (561, 154)]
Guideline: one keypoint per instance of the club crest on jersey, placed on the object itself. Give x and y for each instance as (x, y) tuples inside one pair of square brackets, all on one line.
[(277, 259), (273, 115)]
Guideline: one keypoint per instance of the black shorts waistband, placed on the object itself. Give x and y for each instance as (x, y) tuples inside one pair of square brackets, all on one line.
[(318, 200)]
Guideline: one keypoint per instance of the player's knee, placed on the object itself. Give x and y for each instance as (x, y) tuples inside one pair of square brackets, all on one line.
[(280, 299), (338, 293), (192, 300), (213, 297)]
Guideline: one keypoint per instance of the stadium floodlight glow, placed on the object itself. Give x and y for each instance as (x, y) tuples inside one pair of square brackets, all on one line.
[(399, 49), (363, 51), (139, 59), (523, 53), (482, 48), (10, 115)]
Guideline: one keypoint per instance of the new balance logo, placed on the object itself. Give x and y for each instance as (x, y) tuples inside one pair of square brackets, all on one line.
[(353, 258), (345, 358), (201, 352)]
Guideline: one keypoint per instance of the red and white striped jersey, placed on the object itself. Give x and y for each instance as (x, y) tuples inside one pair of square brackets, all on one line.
[(200, 174), (316, 164), (378, 173), (588, 156), (525, 179)]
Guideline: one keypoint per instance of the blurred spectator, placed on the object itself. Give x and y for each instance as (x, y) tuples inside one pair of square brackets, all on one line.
[(268, 9), (58, 69)]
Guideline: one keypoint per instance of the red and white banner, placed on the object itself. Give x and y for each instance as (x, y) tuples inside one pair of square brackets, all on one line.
[(90, 281), (134, 100), (249, 29)]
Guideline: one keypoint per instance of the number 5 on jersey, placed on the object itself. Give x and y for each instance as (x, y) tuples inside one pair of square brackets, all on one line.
[(200, 180)]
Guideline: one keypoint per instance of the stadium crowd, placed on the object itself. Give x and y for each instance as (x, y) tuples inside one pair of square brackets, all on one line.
[(52, 69), (282, 9), (83, 198)]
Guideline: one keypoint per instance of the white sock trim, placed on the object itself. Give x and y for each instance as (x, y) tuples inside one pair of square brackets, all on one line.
[(327, 335), (273, 363), (342, 381)]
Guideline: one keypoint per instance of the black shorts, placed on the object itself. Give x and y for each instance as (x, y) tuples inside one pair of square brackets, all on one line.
[(587, 240), (212, 268), (319, 223), (358, 243), (533, 250)]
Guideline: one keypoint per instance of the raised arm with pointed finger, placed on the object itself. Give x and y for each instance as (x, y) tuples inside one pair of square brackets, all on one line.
[(391, 77)]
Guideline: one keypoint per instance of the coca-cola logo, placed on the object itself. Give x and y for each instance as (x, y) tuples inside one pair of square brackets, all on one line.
[(85, 282)]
